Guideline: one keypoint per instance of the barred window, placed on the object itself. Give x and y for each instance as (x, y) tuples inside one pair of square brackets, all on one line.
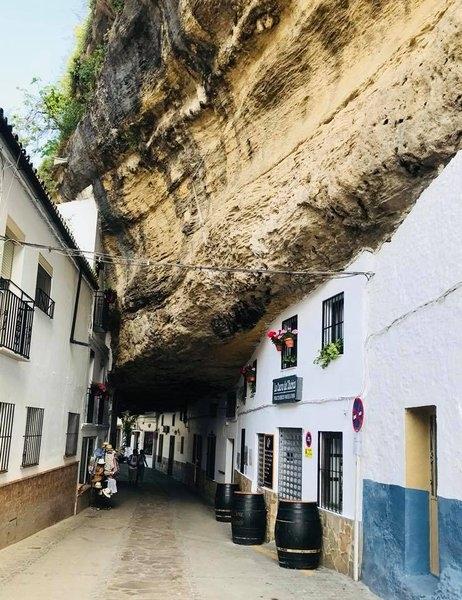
[(330, 477), (33, 436), (6, 429), (289, 355), (265, 460), (72, 434), (332, 320)]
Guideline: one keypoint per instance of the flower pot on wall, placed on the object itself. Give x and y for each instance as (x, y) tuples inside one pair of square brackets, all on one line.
[(289, 342), (251, 378)]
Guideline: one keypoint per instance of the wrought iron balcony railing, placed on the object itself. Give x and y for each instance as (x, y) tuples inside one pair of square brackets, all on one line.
[(44, 302), (16, 318), (101, 313)]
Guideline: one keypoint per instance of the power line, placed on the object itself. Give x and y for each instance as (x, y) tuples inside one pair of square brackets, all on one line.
[(102, 257)]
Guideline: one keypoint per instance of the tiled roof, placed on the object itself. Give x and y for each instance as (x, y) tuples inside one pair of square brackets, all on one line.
[(24, 164)]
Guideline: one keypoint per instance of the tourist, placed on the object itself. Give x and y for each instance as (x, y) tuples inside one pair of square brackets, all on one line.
[(133, 467), (142, 463)]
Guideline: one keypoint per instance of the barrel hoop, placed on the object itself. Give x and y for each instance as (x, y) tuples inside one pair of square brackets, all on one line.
[(225, 510), (295, 551)]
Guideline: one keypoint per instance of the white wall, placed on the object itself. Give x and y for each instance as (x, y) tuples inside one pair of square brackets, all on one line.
[(414, 347), (55, 377)]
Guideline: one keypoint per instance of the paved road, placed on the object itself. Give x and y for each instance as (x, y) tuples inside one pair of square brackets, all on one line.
[(159, 542)]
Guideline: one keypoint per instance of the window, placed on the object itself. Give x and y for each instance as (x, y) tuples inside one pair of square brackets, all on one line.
[(33, 436), (8, 255), (148, 442), (330, 478), (289, 355), (211, 449), (173, 419), (162, 420), (88, 445), (265, 460), (72, 435), (332, 320), (43, 291), (242, 455), (231, 405), (6, 429), (182, 445), (161, 448)]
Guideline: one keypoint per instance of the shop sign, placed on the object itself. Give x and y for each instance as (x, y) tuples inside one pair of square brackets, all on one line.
[(287, 389)]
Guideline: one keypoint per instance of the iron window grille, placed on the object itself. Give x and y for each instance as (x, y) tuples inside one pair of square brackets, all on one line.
[(6, 430), (100, 313), (289, 355), (42, 292), (33, 436), (332, 320), (16, 318), (148, 442), (330, 476), (72, 434), (265, 460), (211, 451)]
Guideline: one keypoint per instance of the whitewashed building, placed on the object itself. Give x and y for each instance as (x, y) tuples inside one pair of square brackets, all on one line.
[(390, 494), (46, 307)]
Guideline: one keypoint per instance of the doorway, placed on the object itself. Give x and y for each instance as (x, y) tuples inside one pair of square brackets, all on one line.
[(171, 455), (290, 463), (421, 544), (229, 465), (197, 457)]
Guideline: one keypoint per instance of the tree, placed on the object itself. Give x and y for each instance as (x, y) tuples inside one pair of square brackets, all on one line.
[(128, 423)]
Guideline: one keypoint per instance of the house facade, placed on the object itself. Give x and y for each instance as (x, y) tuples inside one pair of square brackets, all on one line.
[(374, 437), (46, 308)]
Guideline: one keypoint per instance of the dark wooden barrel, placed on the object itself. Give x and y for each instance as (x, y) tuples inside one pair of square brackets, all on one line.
[(223, 501), (298, 534), (248, 518)]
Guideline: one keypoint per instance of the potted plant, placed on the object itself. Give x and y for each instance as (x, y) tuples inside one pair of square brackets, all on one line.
[(276, 338), (289, 338), (328, 353), (248, 372)]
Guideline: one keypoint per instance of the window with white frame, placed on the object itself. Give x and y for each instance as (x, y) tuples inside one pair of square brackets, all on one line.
[(332, 320)]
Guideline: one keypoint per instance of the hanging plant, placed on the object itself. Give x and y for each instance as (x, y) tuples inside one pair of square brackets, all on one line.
[(283, 337), (248, 372), (110, 296), (329, 353)]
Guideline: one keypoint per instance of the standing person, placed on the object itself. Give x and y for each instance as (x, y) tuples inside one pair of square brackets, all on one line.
[(142, 463), (133, 467)]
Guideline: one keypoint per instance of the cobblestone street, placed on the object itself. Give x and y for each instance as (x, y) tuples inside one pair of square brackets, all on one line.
[(157, 542)]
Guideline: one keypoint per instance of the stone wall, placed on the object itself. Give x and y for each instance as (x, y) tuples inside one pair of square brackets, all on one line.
[(33, 503), (337, 542), (245, 484)]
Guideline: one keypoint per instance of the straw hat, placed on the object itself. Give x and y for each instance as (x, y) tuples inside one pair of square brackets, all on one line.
[(105, 444), (98, 484), (108, 446), (107, 492), (101, 461)]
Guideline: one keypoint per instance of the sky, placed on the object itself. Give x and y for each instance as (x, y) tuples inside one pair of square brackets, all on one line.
[(36, 40)]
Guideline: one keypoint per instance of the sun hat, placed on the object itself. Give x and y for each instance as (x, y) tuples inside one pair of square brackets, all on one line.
[(105, 444), (108, 446), (107, 492), (101, 461), (98, 484)]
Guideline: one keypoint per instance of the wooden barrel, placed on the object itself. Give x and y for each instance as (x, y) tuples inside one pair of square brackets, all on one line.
[(223, 501), (248, 518), (298, 534)]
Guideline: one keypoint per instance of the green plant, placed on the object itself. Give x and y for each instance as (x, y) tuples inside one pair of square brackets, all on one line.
[(118, 5), (328, 353), (289, 361), (128, 423)]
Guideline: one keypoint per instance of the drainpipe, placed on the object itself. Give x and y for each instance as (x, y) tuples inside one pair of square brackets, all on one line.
[(74, 318), (357, 443)]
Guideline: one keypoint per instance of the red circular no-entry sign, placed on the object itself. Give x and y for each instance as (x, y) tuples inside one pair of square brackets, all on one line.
[(308, 439), (357, 415)]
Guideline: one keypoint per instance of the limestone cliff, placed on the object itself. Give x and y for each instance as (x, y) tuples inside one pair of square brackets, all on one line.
[(274, 133)]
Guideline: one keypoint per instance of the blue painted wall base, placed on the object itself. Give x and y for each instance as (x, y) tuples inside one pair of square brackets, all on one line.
[(396, 542)]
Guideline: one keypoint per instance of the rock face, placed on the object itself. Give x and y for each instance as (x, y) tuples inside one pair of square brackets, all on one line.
[(256, 133)]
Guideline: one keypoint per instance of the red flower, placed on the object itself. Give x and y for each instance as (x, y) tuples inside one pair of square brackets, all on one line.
[(271, 334)]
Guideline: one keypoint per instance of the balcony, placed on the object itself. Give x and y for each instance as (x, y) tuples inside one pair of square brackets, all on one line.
[(44, 302), (101, 313), (16, 318), (97, 411)]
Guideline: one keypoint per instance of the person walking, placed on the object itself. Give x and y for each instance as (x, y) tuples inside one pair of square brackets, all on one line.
[(133, 467), (142, 463)]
